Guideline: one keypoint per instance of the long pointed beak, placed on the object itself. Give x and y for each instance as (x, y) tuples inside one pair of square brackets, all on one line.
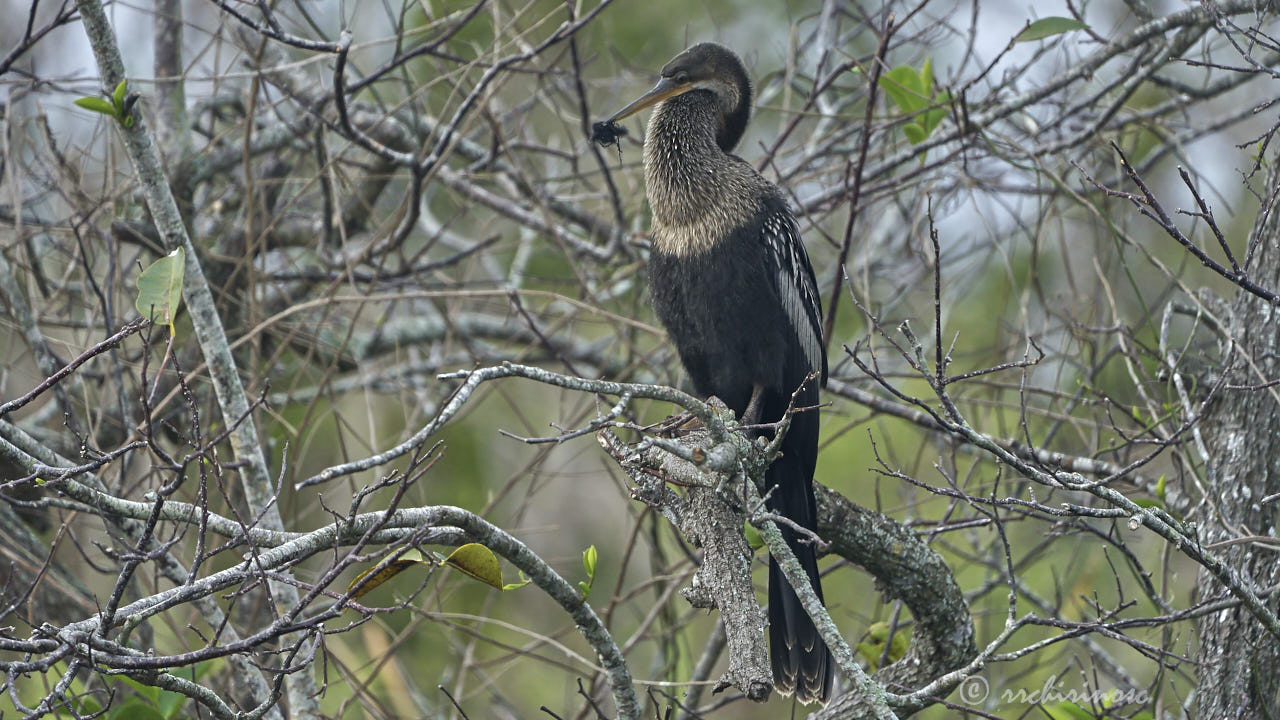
[(665, 88)]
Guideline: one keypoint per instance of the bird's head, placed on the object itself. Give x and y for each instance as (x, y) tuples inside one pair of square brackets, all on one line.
[(706, 68)]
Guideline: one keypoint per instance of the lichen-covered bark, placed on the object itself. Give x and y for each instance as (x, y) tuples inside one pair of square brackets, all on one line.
[(172, 130), (903, 564), (1240, 671), (905, 568), (207, 325)]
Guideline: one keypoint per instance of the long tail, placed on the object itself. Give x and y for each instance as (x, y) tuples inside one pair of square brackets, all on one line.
[(801, 661)]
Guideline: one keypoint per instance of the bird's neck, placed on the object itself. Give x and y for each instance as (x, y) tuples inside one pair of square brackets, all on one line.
[(697, 191)]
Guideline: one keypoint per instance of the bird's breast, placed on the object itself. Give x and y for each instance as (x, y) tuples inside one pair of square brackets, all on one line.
[(695, 209), (688, 239)]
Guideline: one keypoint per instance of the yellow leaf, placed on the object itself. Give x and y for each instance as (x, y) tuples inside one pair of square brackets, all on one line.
[(382, 574), (479, 562)]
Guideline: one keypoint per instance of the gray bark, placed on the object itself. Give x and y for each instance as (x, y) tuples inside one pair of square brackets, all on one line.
[(207, 324), (1240, 671)]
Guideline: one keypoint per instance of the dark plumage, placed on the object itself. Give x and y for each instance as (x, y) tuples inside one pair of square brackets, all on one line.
[(732, 283)]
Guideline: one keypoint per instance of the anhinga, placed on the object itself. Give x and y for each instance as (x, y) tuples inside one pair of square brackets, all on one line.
[(732, 283)]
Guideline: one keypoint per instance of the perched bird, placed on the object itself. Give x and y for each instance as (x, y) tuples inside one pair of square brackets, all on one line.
[(733, 285)]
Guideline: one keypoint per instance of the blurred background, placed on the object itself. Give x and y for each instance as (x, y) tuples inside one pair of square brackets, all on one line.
[(347, 283)]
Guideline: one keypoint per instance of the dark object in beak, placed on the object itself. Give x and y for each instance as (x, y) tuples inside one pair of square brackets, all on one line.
[(608, 131)]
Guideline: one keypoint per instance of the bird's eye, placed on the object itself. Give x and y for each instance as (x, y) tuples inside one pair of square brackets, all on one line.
[(682, 77)]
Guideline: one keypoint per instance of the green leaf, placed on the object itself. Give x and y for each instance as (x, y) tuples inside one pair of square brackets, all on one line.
[(589, 558), (160, 288), (930, 119), (912, 92), (753, 536), (479, 562), (902, 85), (926, 77), (1048, 27), (117, 98), (516, 586), (1160, 489), (98, 105)]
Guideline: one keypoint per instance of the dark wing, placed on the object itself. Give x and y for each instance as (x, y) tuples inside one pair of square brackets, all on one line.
[(797, 288)]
